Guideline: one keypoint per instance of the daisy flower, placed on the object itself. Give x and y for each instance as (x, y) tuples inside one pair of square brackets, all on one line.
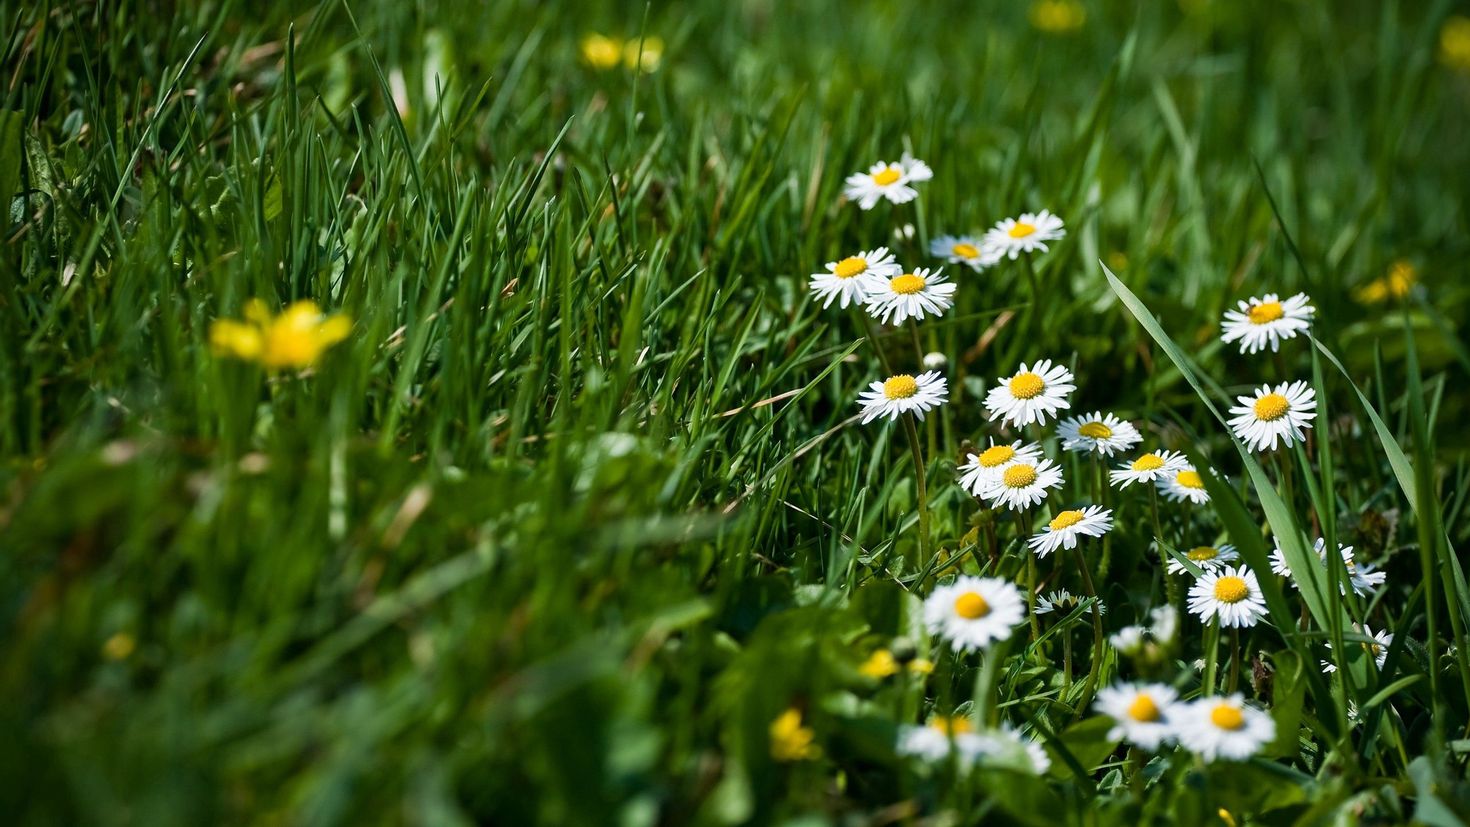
[(973, 612), (1232, 595), (903, 394), (1378, 647), (979, 469), (1066, 527), (1224, 728), (934, 741), (1129, 640), (1364, 578), (1208, 558), (1140, 711), (1026, 234), (1063, 602), (1184, 483), (963, 249), (1274, 415), (1022, 485), (1165, 626), (1266, 320), (1097, 433), (1150, 467), (1031, 394), (847, 280), (909, 296), (885, 180), (1005, 747)]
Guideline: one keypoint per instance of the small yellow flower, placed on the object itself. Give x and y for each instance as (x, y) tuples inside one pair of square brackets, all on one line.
[(645, 54), (790, 741), (119, 646), (921, 666), (1226, 817), (295, 339), (879, 665), (1396, 284), (601, 52), (1454, 43), (1057, 16)]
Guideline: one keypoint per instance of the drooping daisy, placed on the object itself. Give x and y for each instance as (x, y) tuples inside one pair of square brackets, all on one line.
[(934, 741), (847, 281), (1208, 558), (979, 469), (1031, 394), (1165, 624), (1274, 415), (1363, 578), (1005, 747), (1141, 712), (1184, 483), (1066, 527), (1063, 602), (1224, 727), (909, 296), (1099, 433), (1026, 234), (973, 612), (1129, 640), (1149, 467), (885, 180), (1378, 648), (1231, 594), (1266, 320), (1022, 485), (904, 394), (963, 249)]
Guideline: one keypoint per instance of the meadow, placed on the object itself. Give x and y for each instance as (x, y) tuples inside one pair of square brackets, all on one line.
[(449, 413)]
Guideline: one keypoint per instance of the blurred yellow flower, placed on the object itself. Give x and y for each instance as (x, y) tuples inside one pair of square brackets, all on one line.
[(1057, 16), (879, 665), (295, 339), (644, 54), (1396, 284), (1454, 43), (1226, 817), (790, 741), (921, 666), (119, 646), (602, 52)]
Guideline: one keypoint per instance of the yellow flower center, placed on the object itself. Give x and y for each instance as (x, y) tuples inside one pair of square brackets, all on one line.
[(849, 267), (995, 455), (1231, 590), (907, 284), (1144, 709), (1226, 716), (1148, 462), (887, 176), (1200, 554), (1095, 430), (971, 606), (952, 726), (1189, 479), (1020, 230), (1271, 407), (966, 250), (1066, 519), (900, 387), (1026, 385), (1266, 312), (1019, 476)]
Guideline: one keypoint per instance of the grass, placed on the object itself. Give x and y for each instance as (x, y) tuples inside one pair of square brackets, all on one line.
[(581, 505)]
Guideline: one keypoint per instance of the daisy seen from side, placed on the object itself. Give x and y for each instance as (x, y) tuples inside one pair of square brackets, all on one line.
[(915, 295), (903, 394), (1148, 467), (1064, 530), (979, 469), (1267, 320), (846, 281), (1097, 433), (1026, 233), (883, 180)]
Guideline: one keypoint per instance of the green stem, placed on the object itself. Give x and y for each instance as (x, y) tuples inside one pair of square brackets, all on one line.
[(1234, 659), (1171, 588), (925, 551), (1097, 634), (985, 688), (1030, 576), (1212, 649)]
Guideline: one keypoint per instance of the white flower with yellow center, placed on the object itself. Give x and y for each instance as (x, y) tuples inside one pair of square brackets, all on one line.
[(1281, 414), (1266, 320), (1031, 394), (1022, 485), (1141, 712), (1231, 594), (963, 249), (1224, 727), (904, 394), (1149, 467), (934, 741), (847, 281), (884, 180), (973, 612), (979, 469), (1064, 602), (1098, 433), (1207, 558), (1066, 527), (1025, 234), (1363, 578), (1184, 483), (1375, 644), (909, 296)]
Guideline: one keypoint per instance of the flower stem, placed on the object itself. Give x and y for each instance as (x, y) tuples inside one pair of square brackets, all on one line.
[(985, 689), (1234, 659), (1212, 655), (920, 481), (1030, 575), (1097, 633), (1170, 587)]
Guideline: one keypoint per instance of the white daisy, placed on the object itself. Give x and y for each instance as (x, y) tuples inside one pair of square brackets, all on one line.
[(1147, 468), (934, 741), (885, 180), (1026, 234), (1266, 320), (1141, 712), (1184, 483), (1364, 578), (1378, 648), (1129, 640), (1062, 601), (1031, 394), (1224, 727), (979, 469), (1282, 414), (1165, 626), (1022, 485), (847, 280), (909, 295), (1208, 558), (1098, 433), (1066, 527), (963, 249), (973, 612), (935, 360), (1004, 747), (903, 394), (1232, 594)]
